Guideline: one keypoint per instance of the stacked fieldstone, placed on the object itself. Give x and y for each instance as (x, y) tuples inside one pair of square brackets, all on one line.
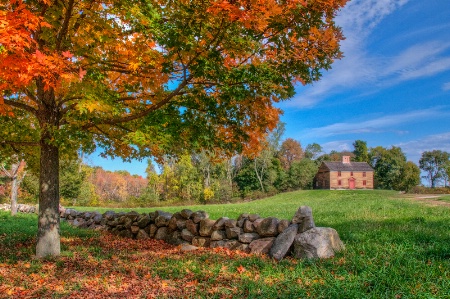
[(251, 233), (20, 208)]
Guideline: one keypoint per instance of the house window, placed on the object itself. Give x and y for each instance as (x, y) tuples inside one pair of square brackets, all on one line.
[(364, 183), (339, 183), (351, 173), (339, 173), (364, 174)]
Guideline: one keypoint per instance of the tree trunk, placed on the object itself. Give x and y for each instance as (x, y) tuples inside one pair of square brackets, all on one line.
[(14, 191), (48, 239), (259, 175)]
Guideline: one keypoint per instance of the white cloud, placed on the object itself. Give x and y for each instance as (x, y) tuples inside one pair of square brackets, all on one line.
[(359, 68), (380, 124), (446, 86), (414, 149), (342, 145)]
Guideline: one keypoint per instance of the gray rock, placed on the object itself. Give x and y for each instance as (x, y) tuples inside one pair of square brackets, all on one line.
[(201, 241), (248, 226), (230, 244), (248, 237), (128, 222), (188, 247), (162, 233), (181, 224), (143, 220), (231, 223), (133, 215), (283, 242), (97, 218), (187, 235), (242, 247), (233, 232), (125, 234), (261, 246), (192, 227), (282, 225), (163, 220), (109, 215), (243, 216), (218, 235), (253, 217), (205, 229), (142, 235), (172, 223), (186, 213), (79, 222), (268, 227), (152, 229), (220, 223), (318, 242), (304, 218), (134, 229), (257, 223), (198, 216)]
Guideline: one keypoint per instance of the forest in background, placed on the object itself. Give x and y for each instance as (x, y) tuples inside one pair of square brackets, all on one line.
[(281, 165)]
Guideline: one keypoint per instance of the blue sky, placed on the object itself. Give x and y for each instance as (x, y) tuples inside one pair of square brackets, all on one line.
[(391, 88)]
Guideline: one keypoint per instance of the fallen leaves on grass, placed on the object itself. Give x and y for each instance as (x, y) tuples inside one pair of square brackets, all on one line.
[(110, 267)]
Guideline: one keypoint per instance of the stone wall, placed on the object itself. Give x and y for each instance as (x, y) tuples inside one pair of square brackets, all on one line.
[(298, 237), (20, 208)]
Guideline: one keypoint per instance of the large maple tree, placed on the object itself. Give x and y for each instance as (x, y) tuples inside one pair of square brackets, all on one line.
[(147, 77)]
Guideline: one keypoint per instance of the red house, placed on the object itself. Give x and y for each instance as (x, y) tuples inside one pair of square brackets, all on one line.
[(344, 175)]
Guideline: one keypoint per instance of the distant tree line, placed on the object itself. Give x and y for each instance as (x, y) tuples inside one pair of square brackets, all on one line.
[(280, 166)]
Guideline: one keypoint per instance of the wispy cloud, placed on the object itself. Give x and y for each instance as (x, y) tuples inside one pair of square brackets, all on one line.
[(414, 149), (359, 68), (446, 86), (375, 125)]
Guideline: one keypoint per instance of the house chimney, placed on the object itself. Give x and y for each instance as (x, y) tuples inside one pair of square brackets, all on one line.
[(345, 159)]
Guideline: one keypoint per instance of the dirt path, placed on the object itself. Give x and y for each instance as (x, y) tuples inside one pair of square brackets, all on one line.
[(428, 199)]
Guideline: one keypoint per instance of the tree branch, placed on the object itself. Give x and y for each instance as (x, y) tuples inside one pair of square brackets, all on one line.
[(21, 106), (65, 26)]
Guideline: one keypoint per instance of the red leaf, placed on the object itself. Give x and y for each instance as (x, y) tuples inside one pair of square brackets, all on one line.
[(67, 54), (82, 73)]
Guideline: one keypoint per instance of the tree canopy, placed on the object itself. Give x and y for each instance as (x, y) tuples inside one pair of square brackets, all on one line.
[(140, 78)]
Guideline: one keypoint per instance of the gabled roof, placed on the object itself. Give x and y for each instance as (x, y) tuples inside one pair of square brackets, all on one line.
[(352, 166)]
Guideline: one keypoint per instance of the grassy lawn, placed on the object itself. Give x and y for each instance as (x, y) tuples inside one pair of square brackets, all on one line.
[(395, 248)]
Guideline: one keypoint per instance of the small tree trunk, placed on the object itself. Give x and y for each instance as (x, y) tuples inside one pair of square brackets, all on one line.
[(259, 175), (48, 239), (14, 191)]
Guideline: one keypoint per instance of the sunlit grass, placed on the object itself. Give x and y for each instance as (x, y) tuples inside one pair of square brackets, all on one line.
[(395, 248)]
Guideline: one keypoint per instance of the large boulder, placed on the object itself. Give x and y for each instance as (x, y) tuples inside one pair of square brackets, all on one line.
[(318, 242), (283, 242), (304, 218)]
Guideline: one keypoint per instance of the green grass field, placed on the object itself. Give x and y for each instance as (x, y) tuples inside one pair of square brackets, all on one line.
[(395, 248)]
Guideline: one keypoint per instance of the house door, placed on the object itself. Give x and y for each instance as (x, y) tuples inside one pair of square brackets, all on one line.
[(351, 183)]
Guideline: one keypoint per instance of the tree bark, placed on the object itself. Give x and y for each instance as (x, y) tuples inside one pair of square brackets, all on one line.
[(48, 239), (14, 189)]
